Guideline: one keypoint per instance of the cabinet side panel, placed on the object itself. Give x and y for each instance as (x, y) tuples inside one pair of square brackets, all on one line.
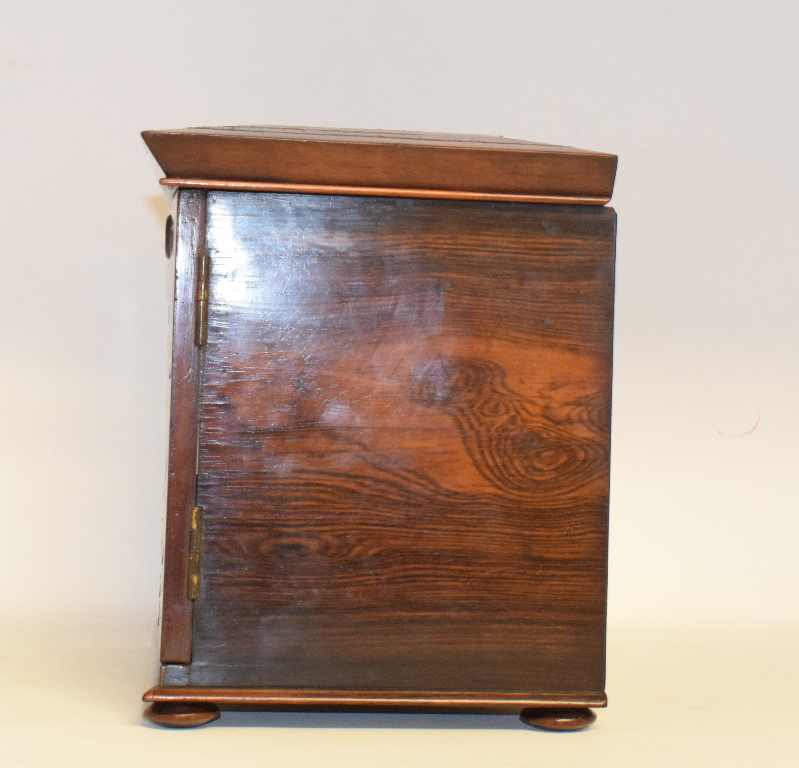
[(404, 445), (177, 608)]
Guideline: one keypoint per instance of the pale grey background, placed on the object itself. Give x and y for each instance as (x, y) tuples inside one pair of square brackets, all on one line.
[(699, 100)]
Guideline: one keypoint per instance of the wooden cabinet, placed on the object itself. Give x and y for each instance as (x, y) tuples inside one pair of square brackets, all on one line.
[(389, 452)]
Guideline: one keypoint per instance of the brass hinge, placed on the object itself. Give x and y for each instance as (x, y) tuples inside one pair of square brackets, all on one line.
[(195, 547), (203, 280)]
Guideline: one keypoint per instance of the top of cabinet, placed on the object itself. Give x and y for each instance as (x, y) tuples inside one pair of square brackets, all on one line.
[(383, 163)]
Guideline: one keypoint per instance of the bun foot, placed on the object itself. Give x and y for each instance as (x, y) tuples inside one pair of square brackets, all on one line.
[(181, 715), (558, 719)]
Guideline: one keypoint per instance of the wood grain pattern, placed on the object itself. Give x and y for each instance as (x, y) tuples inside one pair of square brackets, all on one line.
[(520, 446), (404, 446), (176, 615), (394, 160)]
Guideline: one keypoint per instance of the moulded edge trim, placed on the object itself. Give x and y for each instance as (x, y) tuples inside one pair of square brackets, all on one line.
[(325, 189), (349, 699)]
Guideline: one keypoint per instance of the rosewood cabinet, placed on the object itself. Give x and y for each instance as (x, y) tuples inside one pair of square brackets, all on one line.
[(389, 451)]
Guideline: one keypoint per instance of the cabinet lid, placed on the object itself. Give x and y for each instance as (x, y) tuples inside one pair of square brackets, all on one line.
[(383, 163)]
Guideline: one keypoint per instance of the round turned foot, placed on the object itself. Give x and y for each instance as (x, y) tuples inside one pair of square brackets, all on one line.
[(558, 719), (181, 715)]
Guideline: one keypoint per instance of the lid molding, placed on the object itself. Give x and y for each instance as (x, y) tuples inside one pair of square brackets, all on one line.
[(381, 163)]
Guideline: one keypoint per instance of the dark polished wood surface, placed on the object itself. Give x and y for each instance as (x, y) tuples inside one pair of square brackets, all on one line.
[(406, 163), (177, 608), (403, 459)]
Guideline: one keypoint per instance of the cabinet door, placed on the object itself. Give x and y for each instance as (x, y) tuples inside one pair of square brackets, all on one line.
[(403, 450)]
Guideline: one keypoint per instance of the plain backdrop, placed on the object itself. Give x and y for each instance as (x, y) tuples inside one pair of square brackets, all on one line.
[(699, 100)]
